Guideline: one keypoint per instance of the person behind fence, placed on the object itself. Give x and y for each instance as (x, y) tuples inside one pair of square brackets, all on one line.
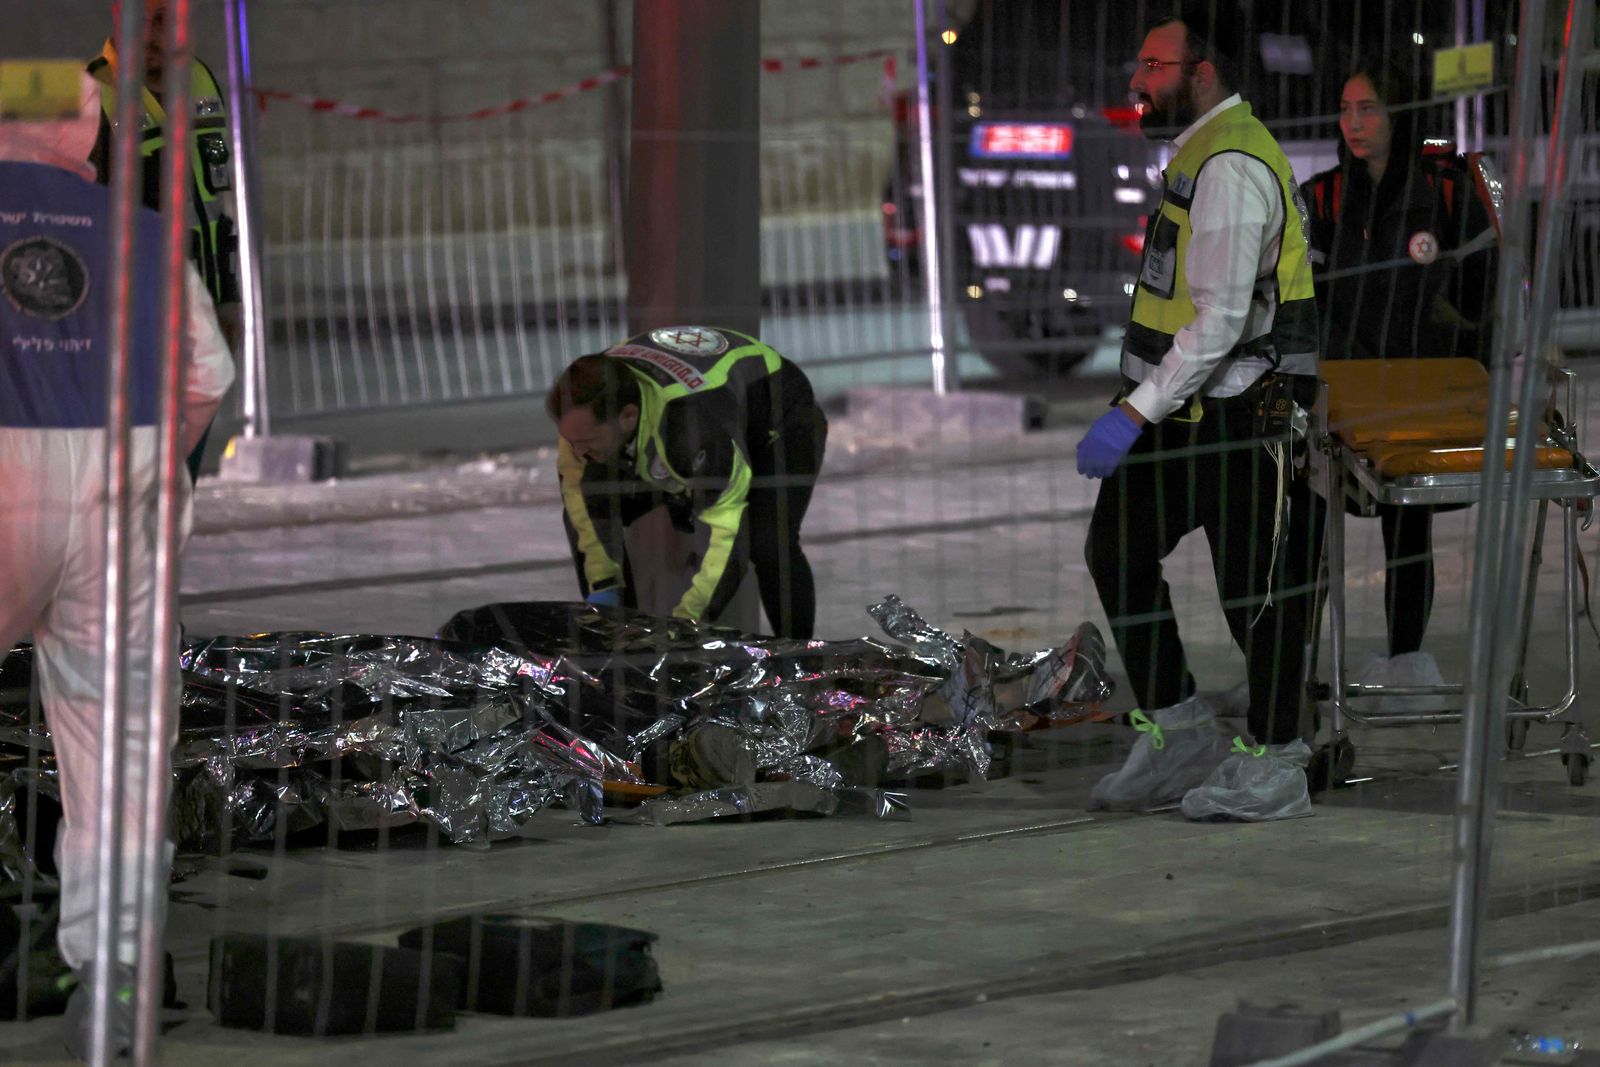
[(1405, 256), (1219, 351), (214, 240), (55, 334), (718, 427)]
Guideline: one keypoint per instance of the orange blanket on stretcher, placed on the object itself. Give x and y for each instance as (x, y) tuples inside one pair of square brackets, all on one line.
[(1418, 416)]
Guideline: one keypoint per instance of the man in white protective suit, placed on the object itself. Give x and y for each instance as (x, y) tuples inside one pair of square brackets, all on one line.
[(55, 312)]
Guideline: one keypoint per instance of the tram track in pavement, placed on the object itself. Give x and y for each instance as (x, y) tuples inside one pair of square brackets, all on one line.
[(1049, 975), (481, 570)]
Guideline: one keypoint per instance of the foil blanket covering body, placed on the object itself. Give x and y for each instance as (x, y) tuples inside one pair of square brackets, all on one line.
[(516, 707)]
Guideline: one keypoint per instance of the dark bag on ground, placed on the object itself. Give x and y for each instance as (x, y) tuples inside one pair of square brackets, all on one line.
[(325, 988), (533, 965)]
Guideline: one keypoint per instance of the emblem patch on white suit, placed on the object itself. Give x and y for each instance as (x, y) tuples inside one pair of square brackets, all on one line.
[(691, 340), (1423, 247)]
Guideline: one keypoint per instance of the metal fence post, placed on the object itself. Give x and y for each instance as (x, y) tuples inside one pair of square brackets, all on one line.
[(1555, 208), (154, 783), (242, 144), (108, 829), (616, 137), (931, 245), (1479, 23), (1495, 555), (1460, 109)]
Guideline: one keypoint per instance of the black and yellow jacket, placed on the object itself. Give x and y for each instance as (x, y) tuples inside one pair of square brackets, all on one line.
[(705, 395), (214, 242)]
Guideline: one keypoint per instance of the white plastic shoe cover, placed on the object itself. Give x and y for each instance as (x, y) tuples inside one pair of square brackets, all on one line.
[(1406, 669), (1253, 787), (1177, 748)]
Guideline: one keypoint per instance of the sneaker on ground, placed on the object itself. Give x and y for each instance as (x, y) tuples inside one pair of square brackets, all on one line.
[(1071, 684)]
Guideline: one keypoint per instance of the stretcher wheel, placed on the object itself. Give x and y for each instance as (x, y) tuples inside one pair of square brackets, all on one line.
[(1577, 768), (1331, 765), (1516, 734)]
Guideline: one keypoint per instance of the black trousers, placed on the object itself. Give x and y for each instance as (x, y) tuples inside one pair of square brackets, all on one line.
[(1408, 569), (784, 469), (783, 472), (1408, 574), (1217, 475)]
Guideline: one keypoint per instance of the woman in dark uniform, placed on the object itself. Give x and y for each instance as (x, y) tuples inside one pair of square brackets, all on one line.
[(1405, 263)]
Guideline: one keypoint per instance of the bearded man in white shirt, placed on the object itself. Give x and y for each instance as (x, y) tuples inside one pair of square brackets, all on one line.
[(1219, 350)]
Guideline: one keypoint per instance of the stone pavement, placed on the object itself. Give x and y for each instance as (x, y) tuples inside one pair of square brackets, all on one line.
[(1004, 923)]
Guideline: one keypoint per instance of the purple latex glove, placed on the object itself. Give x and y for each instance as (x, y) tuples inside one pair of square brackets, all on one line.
[(1107, 441), (605, 598)]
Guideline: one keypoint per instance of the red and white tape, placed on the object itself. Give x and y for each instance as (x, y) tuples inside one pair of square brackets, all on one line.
[(511, 107), (780, 66)]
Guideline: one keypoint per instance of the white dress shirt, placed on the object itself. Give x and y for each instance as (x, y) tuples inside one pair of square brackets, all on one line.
[(1236, 221)]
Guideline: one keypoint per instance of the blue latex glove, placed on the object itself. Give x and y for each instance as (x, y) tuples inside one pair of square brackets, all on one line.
[(605, 598), (1107, 441)]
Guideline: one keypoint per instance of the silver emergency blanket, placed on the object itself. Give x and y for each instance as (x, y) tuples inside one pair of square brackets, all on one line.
[(516, 707)]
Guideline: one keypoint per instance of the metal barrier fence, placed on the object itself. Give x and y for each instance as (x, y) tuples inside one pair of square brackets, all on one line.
[(423, 263), (401, 272)]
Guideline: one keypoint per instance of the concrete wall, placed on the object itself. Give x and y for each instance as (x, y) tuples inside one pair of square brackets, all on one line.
[(455, 56)]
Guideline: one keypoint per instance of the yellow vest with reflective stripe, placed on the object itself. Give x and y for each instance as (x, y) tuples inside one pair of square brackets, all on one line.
[(683, 361), (714, 369), (1162, 305), (209, 162), (680, 360)]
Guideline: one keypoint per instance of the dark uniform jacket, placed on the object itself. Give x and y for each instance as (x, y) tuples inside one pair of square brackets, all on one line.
[(1405, 267)]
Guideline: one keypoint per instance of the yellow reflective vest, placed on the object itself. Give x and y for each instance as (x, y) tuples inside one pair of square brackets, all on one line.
[(1161, 303), (214, 244), (690, 447)]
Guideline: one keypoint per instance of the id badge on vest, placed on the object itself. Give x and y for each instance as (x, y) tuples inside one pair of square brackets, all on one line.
[(1160, 273)]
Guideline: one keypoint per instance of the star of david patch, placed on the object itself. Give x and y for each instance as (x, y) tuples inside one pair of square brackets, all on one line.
[(1423, 247), (691, 340)]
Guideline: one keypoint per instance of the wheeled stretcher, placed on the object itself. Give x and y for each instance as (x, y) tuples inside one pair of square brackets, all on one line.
[(1409, 432)]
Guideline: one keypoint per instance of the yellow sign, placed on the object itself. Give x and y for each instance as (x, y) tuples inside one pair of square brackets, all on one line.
[(40, 89), (1463, 70)]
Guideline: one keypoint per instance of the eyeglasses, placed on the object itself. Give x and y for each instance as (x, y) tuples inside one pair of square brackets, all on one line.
[(1153, 66)]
